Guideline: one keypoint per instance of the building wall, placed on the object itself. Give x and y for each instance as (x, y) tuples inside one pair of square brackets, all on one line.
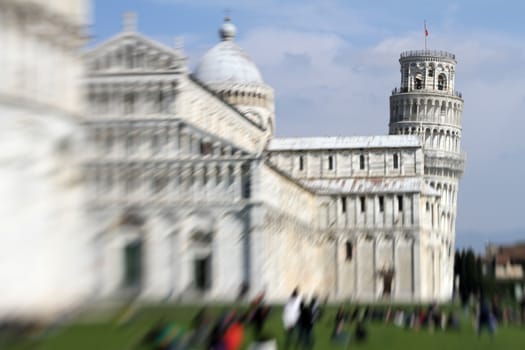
[(376, 237), (201, 107), (45, 243), (29, 30), (346, 163), (382, 236), (296, 254)]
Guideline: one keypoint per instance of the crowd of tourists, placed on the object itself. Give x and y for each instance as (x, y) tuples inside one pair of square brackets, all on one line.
[(225, 332), (300, 317)]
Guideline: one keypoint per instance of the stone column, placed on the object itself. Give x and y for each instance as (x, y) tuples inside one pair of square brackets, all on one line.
[(337, 267), (416, 268), (356, 267), (236, 186), (173, 183), (374, 267)]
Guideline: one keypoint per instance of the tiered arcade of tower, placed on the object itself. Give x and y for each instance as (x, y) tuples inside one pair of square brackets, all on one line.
[(426, 104)]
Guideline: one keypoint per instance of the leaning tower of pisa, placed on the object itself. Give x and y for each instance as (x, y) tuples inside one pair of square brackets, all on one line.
[(427, 104)]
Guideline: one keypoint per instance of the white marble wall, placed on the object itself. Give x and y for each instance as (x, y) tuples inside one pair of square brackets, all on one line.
[(202, 108), (346, 163), (45, 247)]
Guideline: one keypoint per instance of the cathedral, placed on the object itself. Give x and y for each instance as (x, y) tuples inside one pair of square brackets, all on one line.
[(187, 195)]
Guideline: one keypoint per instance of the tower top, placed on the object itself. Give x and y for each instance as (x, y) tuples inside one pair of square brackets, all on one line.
[(428, 54), (228, 30), (129, 22)]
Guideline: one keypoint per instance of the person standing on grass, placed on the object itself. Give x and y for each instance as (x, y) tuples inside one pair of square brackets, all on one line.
[(522, 311), (259, 316), (291, 313), (305, 326), (485, 318), (340, 319), (234, 334)]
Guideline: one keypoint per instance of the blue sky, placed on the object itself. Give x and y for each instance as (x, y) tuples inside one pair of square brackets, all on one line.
[(333, 64)]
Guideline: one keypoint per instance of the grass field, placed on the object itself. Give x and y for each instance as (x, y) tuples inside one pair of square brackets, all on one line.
[(106, 335)]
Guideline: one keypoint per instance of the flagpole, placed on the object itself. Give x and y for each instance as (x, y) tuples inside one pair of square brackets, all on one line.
[(425, 33)]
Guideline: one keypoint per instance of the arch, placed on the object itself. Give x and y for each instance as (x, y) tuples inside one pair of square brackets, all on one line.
[(428, 139), (430, 70), (418, 81), (443, 109), (434, 138), (442, 82), (395, 161)]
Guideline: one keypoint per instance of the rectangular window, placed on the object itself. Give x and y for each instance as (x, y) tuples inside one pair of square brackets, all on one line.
[(130, 143), (158, 184), (428, 206), (400, 203), (362, 204), (330, 162), (204, 176), (109, 141), (246, 182), (381, 203), (430, 72), (349, 250), (218, 176), (301, 163), (108, 183), (206, 148), (129, 185), (129, 103), (231, 175), (202, 274), (396, 161), (155, 142), (361, 162), (343, 204)]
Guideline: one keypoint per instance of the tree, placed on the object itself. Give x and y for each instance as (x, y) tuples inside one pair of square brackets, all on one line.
[(469, 270)]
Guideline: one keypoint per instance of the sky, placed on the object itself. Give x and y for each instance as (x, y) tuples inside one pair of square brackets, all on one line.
[(334, 63)]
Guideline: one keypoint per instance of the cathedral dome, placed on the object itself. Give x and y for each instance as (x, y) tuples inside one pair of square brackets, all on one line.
[(226, 62)]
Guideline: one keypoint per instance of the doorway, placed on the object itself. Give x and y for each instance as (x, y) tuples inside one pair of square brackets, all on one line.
[(387, 285), (133, 265), (202, 273)]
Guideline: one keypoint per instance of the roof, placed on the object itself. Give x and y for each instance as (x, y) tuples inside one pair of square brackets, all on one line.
[(366, 185), (174, 52), (344, 142), (514, 252), (227, 62), (507, 253)]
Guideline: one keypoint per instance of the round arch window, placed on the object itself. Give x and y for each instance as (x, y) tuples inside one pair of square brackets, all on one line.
[(442, 82)]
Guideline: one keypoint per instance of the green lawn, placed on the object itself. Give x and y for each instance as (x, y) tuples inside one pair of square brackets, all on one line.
[(108, 336)]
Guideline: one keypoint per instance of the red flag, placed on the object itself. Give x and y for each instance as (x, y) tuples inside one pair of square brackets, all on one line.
[(426, 31)]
